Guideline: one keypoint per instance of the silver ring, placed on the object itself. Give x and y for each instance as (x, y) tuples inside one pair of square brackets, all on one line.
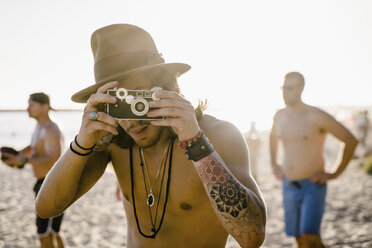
[(93, 116)]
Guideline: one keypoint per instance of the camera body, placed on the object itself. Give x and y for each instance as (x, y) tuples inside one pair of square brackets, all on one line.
[(131, 104)]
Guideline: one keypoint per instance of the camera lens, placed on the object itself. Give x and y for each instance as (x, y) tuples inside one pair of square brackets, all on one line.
[(139, 107)]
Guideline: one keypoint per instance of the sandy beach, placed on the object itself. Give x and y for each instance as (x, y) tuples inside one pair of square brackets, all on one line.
[(98, 220)]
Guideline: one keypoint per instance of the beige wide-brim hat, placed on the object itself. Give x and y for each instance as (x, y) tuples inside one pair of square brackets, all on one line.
[(121, 50)]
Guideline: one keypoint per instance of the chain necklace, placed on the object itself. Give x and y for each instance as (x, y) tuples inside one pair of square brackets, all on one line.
[(154, 230), (150, 196)]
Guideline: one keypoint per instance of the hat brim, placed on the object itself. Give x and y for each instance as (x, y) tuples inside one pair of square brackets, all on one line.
[(176, 69)]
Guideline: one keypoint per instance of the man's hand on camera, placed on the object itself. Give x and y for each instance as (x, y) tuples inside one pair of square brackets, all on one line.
[(179, 114), (92, 130)]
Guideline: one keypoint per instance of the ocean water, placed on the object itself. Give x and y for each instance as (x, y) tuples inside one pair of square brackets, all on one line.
[(16, 127)]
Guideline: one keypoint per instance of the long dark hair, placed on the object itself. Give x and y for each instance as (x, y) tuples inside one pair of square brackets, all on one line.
[(167, 81)]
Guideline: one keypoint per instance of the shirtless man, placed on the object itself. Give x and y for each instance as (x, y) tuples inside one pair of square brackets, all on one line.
[(169, 200), (302, 129), (45, 149)]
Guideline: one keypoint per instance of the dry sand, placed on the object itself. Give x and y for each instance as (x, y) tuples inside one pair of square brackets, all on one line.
[(97, 219)]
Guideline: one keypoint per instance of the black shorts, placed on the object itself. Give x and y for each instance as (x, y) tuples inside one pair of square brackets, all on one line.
[(45, 226)]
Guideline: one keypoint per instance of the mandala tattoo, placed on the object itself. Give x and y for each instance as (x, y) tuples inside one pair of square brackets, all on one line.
[(230, 197), (212, 172)]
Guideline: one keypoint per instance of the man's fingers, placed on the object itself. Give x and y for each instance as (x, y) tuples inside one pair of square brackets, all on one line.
[(103, 117), (107, 86), (165, 103), (101, 126), (164, 94), (101, 97), (96, 99), (104, 122), (168, 112), (165, 122)]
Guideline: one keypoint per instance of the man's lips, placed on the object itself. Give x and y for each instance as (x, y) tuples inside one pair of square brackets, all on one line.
[(137, 131)]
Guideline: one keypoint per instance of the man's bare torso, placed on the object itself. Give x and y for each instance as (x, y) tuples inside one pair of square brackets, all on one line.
[(189, 219), (38, 145), (303, 140)]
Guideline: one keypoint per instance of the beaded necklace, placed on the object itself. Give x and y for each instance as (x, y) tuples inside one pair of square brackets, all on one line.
[(154, 230), (150, 196)]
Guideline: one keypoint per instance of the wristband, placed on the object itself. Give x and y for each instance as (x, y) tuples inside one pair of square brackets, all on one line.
[(83, 148), (188, 143), (200, 148), (78, 153)]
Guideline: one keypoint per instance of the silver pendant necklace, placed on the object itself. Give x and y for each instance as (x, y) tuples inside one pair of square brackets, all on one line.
[(150, 196)]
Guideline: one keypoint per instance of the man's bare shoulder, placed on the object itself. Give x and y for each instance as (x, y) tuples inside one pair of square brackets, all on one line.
[(214, 126), (223, 134), (279, 113), (319, 113), (51, 128)]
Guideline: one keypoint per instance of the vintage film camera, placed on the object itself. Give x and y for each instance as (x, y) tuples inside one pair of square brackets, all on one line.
[(131, 104)]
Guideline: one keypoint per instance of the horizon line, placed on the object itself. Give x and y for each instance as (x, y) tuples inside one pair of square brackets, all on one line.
[(76, 109), (22, 110)]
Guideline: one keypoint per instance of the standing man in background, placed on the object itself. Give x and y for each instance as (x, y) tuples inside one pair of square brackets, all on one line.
[(362, 123), (45, 149), (254, 142), (302, 129)]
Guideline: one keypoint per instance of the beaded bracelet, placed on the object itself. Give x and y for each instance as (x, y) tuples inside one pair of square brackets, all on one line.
[(199, 147), (78, 153), (83, 148), (188, 143)]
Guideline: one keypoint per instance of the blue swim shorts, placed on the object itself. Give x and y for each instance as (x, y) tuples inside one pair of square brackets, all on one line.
[(304, 205)]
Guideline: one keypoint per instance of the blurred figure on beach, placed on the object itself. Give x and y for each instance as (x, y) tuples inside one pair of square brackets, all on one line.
[(302, 131), (362, 126), (254, 142), (193, 194), (44, 150)]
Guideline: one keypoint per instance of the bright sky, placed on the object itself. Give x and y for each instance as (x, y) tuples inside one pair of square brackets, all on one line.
[(239, 50)]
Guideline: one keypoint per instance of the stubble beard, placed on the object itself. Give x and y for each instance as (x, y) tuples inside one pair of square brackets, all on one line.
[(151, 140)]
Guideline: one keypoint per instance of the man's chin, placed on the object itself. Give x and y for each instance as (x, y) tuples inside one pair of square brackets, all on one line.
[(144, 143), (149, 140)]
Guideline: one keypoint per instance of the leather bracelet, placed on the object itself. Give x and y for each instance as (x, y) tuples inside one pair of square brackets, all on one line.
[(199, 149), (78, 153), (83, 148)]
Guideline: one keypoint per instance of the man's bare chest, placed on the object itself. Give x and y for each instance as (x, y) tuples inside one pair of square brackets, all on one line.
[(178, 183), (37, 141), (297, 129)]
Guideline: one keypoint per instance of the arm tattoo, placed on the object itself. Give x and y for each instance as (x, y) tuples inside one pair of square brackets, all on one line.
[(239, 209), (229, 197)]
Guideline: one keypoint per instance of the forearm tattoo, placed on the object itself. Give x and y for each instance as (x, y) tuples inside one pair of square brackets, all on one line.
[(240, 213)]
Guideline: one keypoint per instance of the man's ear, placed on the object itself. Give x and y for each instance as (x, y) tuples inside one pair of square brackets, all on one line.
[(46, 107)]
